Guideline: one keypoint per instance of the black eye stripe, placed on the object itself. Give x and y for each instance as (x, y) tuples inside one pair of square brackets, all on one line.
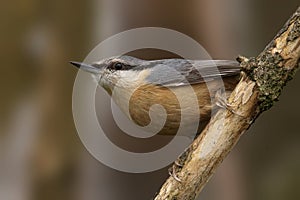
[(119, 66)]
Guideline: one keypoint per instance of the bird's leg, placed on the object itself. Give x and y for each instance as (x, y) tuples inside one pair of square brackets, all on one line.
[(172, 172), (179, 164), (221, 101)]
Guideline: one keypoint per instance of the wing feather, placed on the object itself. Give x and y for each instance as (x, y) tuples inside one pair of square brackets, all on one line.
[(177, 72)]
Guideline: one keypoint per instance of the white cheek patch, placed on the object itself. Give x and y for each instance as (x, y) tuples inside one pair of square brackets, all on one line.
[(128, 77), (132, 78)]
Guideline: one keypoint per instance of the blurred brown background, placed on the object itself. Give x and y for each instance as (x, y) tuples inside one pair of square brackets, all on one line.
[(41, 156)]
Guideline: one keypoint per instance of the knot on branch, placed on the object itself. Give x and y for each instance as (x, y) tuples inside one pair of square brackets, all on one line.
[(247, 65)]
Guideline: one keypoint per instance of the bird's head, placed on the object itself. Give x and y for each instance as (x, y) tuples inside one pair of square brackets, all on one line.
[(120, 71)]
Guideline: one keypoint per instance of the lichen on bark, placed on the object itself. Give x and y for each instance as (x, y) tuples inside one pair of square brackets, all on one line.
[(268, 77)]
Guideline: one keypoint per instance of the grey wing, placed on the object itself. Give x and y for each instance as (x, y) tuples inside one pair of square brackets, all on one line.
[(177, 72)]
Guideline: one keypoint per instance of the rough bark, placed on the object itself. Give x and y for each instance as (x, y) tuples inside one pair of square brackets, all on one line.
[(261, 84)]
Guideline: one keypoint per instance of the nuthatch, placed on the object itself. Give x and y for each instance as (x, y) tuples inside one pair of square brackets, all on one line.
[(155, 81)]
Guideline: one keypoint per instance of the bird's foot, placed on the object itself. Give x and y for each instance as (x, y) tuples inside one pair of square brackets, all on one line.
[(173, 170), (178, 165), (221, 101)]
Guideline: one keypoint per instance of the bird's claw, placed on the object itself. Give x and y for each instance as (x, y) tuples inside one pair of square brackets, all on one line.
[(222, 103), (178, 164), (172, 172)]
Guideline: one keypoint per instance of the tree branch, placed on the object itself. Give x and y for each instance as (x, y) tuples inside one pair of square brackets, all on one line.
[(262, 81)]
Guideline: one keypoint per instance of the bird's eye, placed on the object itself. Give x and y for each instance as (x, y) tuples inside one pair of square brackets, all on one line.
[(118, 66)]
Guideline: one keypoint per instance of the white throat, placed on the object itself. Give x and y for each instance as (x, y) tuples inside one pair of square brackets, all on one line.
[(128, 82)]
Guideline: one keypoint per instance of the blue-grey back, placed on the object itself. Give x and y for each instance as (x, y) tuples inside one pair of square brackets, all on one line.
[(176, 72)]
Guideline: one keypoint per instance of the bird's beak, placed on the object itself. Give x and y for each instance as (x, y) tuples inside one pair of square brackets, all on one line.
[(86, 67)]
